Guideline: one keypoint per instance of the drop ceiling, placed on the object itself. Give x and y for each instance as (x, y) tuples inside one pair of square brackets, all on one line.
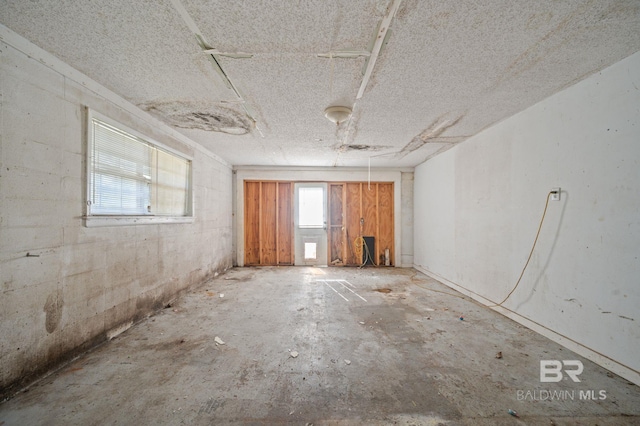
[(250, 80)]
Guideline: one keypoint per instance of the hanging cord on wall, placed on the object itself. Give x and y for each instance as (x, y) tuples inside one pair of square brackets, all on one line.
[(359, 244), (519, 278), (530, 253)]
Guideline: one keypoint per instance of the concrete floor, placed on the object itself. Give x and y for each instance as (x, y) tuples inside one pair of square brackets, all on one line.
[(364, 357)]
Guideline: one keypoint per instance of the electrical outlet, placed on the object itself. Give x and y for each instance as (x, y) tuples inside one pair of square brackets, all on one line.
[(555, 194)]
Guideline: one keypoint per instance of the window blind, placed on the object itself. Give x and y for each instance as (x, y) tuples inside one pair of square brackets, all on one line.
[(130, 176)]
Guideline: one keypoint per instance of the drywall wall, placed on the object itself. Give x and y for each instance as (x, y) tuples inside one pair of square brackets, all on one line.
[(66, 287), (478, 206), (320, 174)]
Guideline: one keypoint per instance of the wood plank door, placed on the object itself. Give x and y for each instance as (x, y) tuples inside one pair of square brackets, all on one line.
[(367, 212), (268, 225), (337, 234)]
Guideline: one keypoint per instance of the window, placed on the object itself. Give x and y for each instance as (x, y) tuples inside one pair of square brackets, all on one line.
[(311, 207), (129, 176)]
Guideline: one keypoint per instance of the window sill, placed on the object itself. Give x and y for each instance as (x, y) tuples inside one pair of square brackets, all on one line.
[(102, 221)]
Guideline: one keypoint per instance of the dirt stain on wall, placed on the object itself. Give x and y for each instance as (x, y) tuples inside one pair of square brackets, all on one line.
[(53, 309)]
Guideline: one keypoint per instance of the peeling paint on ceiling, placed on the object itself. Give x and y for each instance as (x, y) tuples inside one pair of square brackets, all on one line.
[(186, 115), (430, 134), (360, 147)]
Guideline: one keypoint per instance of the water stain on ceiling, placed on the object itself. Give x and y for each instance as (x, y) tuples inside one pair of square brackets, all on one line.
[(211, 118)]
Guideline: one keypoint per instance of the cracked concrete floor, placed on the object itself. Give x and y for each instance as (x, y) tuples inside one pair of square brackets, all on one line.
[(366, 355)]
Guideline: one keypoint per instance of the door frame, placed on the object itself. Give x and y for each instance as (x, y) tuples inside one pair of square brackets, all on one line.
[(319, 236)]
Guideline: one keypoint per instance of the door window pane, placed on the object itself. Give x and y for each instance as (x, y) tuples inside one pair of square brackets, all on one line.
[(310, 207)]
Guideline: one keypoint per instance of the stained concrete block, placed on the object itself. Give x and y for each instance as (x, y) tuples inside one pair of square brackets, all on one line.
[(407, 219), (83, 295), (17, 67), (83, 258), (119, 267), (147, 256), (34, 155), (31, 184), (28, 212), (86, 280), (73, 165), (29, 120), (20, 273), (29, 318), (19, 240), (82, 335)]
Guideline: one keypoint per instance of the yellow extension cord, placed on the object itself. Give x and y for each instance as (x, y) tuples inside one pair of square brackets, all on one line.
[(535, 241)]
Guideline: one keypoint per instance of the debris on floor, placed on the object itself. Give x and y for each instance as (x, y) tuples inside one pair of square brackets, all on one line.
[(499, 355), (346, 361), (218, 341), (294, 354), (383, 290), (513, 413), (461, 318), (221, 295)]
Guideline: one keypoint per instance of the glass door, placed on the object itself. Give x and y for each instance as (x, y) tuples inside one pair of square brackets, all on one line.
[(310, 222)]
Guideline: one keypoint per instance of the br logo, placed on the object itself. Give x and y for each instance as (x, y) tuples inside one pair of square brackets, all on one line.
[(551, 370)]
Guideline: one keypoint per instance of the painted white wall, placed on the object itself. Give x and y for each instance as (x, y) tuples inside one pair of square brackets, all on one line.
[(65, 287), (321, 174), (478, 206)]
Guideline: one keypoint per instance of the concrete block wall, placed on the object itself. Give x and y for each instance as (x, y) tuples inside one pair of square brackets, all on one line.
[(65, 287), (478, 206), (407, 220)]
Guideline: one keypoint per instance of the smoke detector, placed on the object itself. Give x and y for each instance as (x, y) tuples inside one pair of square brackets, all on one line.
[(337, 114)]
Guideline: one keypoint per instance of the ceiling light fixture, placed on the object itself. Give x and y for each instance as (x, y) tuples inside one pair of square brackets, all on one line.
[(337, 114)]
